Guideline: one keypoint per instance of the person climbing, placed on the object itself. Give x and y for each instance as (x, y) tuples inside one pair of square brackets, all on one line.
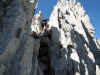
[(44, 26), (43, 29)]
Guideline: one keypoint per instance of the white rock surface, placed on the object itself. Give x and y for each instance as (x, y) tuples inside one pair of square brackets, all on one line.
[(77, 33), (67, 47)]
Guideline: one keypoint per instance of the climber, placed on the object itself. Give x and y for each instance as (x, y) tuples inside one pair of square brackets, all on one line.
[(44, 26), (43, 29)]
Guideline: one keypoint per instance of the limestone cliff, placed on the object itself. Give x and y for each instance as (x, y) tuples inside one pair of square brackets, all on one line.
[(76, 35), (15, 26), (63, 45)]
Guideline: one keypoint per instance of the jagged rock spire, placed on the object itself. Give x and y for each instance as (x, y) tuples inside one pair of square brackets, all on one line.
[(75, 31), (36, 22)]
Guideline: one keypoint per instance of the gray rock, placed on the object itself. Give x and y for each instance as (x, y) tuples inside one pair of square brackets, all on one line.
[(66, 47)]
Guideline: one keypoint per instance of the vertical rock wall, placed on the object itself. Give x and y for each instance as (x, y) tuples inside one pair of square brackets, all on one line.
[(75, 33), (15, 26), (28, 46)]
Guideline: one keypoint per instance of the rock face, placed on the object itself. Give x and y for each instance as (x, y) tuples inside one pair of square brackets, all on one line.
[(75, 34), (31, 45), (15, 26)]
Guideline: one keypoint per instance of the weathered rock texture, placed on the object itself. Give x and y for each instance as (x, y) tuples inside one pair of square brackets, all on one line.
[(29, 47), (75, 33), (15, 43)]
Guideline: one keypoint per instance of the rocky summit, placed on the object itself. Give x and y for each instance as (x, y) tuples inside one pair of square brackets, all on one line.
[(64, 44)]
